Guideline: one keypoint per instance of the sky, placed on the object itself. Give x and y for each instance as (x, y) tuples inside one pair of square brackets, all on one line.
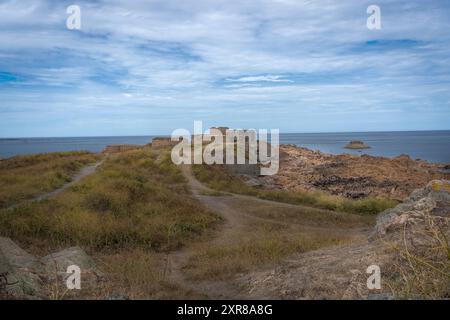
[(150, 67)]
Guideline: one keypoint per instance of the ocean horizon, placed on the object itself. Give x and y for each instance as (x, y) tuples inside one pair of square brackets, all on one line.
[(433, 146)]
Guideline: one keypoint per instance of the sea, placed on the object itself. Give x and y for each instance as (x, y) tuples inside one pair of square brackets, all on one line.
[(433, 146)]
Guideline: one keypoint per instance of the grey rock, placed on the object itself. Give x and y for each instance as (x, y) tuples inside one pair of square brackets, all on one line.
[(56, 264), (380, 296), (20, 271), (24, 276), (252, 182), (117, 296), (434, 198)]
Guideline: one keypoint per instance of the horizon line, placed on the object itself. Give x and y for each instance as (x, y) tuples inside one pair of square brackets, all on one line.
[(165, 135)]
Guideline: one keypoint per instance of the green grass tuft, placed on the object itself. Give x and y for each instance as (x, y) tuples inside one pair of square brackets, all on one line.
[(218, 179)]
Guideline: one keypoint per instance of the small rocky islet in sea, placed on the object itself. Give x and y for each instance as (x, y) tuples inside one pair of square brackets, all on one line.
[(357, 144)]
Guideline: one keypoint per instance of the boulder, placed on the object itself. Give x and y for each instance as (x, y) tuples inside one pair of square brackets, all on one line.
[(434, 199), (252, 182), (23, 276), (56, 265), (380, 296), (20, 272), (117, 296)]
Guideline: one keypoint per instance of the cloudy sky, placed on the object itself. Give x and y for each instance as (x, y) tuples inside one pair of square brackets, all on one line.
[(149, 67)]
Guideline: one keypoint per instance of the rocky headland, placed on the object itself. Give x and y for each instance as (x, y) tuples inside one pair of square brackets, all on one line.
[(352, 176)]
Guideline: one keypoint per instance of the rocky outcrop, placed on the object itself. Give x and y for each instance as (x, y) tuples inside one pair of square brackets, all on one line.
[(433, 200), (117, 296), (56, 264), (330, 273), (352, 176), (20, 272), (24, 276), (356, 144)]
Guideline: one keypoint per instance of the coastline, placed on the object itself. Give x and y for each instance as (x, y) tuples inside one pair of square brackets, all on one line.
[(432, 146), (351, 176)]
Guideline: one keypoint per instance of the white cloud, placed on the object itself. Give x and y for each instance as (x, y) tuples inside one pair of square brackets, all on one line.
[(212, 57), (268, 78)]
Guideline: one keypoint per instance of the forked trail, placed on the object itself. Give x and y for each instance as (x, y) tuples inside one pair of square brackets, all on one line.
[(235, 220)]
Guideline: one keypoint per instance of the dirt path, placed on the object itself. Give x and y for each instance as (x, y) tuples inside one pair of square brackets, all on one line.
[(235, 221), (85, 171)]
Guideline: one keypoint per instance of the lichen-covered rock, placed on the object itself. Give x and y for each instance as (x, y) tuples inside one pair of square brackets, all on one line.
[(23, 276), (19, 271), (117, 296), (434, 199), (56, 265), (441, 189)]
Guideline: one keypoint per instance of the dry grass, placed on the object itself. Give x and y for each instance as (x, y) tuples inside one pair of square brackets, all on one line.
[(140, 274), (259, 244), (422, 261), (127, 215), (218, 179), (131, 200), (269, 233), (303, 216), (129, 273), (137, 208), (24, 177)]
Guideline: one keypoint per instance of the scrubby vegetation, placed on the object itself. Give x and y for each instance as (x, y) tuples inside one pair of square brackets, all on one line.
[(132, 199), (135, 212), (335, 203), (23, 177), (218, 179), (268, 233), (422, 261), (264, 244), (141, 274)]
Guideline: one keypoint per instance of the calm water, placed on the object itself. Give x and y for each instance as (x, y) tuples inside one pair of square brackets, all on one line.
[(12, 147), (428, 145), (433, 146)]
